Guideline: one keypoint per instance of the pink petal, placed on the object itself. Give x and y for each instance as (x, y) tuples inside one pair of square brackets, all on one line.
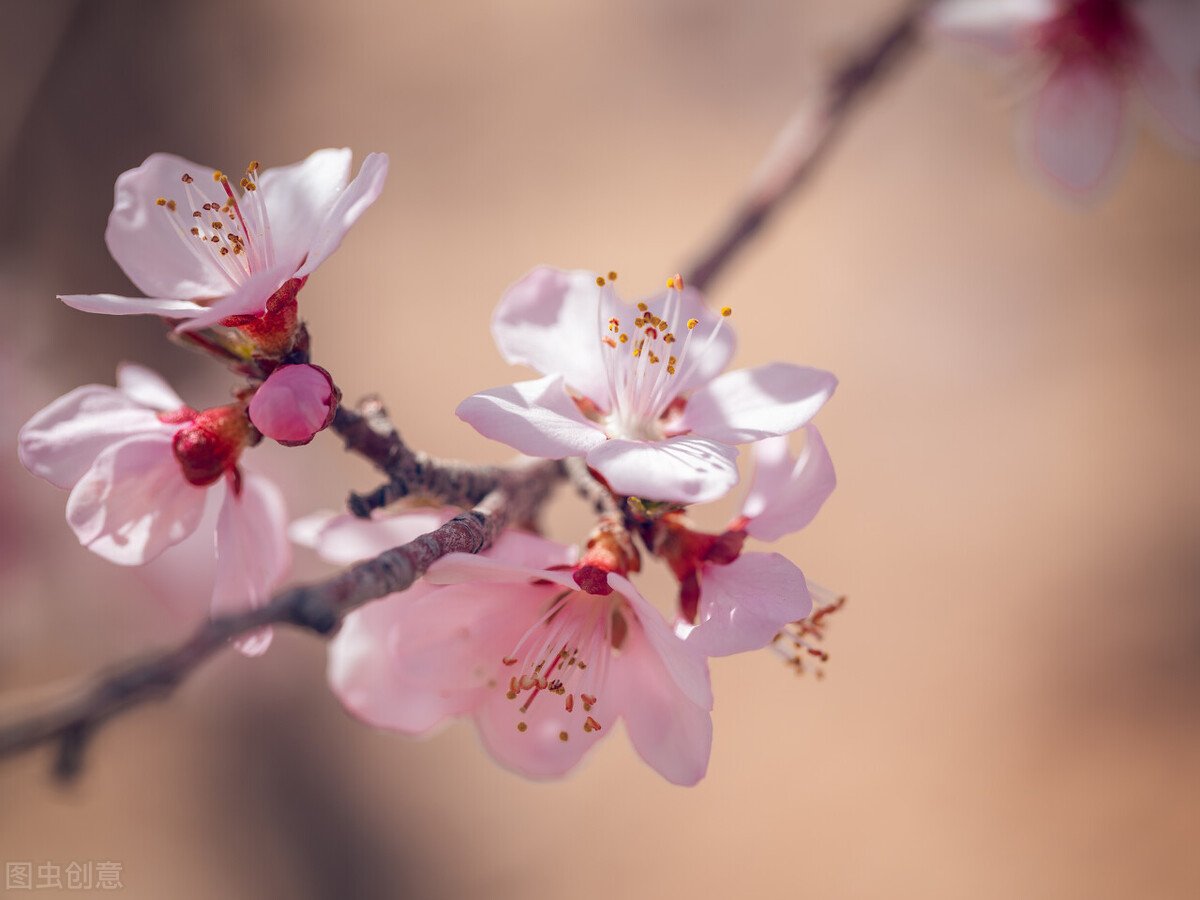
[(1169, 70), (537, 418), (670, 731), (133, 503), (1004, 26), (410, 660), (1078, 125), (520, 548), (344, 539), (61, 442), (551, 320), (142, 236), (293, 404), (147, 387), (744, 604), (299, 198), (684, 664), (786, 494), (679, 469), (464, 568), (248, 299), (113, 305), (253, 553), (751, 404), (707, 354), (350, 205)]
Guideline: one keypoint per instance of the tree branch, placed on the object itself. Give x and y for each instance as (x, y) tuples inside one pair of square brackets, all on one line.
[(318, 608), (804, 140)]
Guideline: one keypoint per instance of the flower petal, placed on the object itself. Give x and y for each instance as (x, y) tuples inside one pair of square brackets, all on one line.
[(679, 469), (786, 494), (550, 320), (143, 238), (293, 404), (114, 305), (61, 442), (459, 568), (147, 387), (744, 604), (537, 418), (410, 660), (345, 539), (686, 667), (1078, 125), (133, 503), (350, 205), (253, 553), (248, 299), (751, 404), (1169, 70), (1004, 26), (670, 731), (298, 199)]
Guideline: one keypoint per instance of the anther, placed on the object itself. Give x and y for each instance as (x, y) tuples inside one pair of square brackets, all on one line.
[(692, 323), (612, 276), (726, 311), (521, 726), (599, 281)]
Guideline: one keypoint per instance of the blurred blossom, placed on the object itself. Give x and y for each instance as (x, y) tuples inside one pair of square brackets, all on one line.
[(1092, 53)]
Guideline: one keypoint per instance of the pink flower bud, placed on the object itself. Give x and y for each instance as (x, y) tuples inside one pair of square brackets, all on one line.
[(294, 403)]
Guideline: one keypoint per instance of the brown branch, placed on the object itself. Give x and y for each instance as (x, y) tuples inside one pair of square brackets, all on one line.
[(806, 138), (318, 608), (369, 433)]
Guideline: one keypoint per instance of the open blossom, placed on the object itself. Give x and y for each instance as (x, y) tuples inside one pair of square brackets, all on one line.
[(140, 465), (731, 601), (545, 655), (637, 391), (203, 251), (1093, 52)]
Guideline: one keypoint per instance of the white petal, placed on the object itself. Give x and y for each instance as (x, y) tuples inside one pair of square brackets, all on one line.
[(679, 469), (147, 387), (61, 442), (249, 299), (551, 321), (351, 204), (744, 604), (347, 539), (114, 305), (298, 199), (133, 503), (1078, 126), (463, 568), (1001, 25), (751, 404), (142, 236), (707, 353), (786, 494), (537, 418), (253, 553)]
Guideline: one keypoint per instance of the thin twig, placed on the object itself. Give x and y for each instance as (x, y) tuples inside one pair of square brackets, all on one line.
[(805, 138), (318, 608)]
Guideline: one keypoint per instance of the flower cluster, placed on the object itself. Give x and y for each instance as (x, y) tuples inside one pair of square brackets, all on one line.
[(1088, 55), (224, 266), (546, 650)]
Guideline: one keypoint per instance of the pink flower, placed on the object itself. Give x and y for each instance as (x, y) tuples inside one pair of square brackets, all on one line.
[(1093, 51), (141, 465), (731, 601), (293, 404), (507, 637), (635, 391), (201, 252)]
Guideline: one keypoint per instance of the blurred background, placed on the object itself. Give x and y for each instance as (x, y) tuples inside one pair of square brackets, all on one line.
[(1011, 704)]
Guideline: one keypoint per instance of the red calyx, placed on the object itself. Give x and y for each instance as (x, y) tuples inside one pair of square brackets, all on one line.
[(273, 332), (210, 445)]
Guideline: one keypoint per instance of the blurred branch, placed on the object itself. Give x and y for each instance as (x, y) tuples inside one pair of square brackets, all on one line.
[(806, 137), (520, 492)]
